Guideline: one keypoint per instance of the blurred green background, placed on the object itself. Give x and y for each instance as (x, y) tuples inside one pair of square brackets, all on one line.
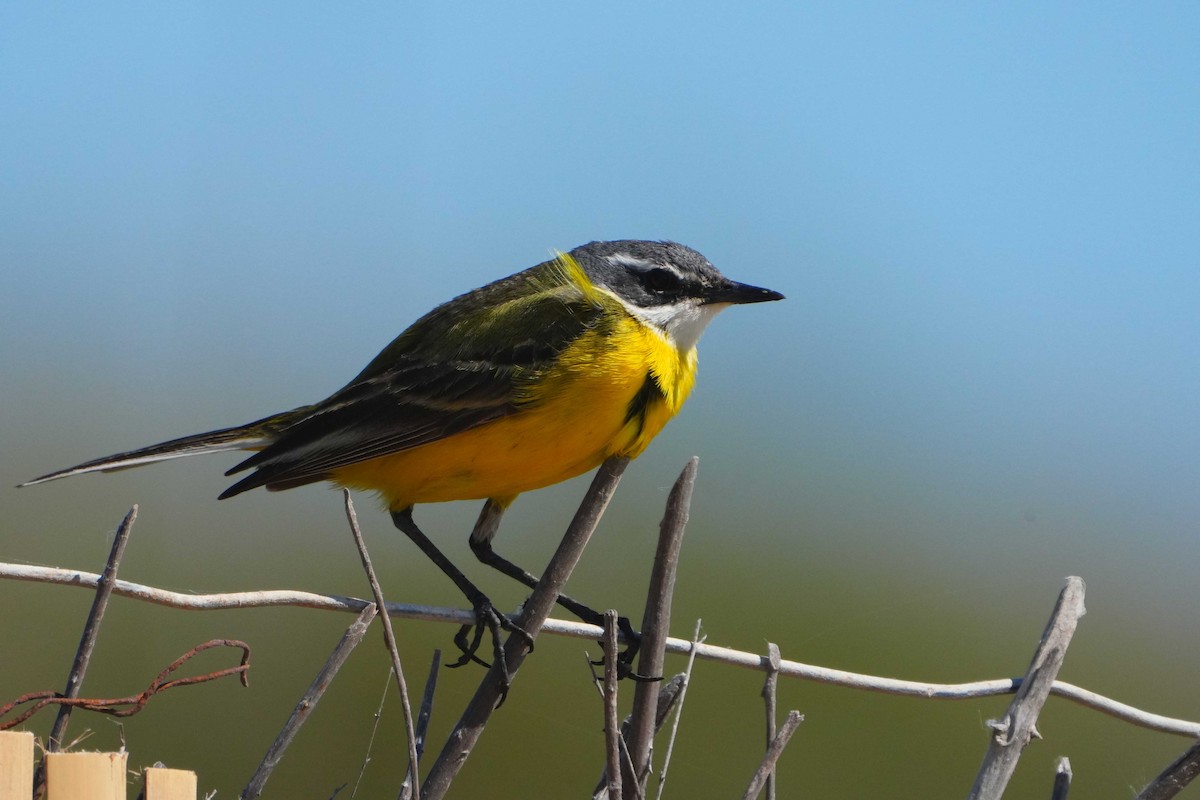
[(983, 379)]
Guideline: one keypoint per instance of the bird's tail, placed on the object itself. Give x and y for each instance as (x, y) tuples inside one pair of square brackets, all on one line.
[(252, 436)]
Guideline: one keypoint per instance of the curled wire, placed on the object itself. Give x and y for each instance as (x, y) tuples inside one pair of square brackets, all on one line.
[(128, 706)]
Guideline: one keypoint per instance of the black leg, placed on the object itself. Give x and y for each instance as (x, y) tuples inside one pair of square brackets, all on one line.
[(486, 615), (481, 546)]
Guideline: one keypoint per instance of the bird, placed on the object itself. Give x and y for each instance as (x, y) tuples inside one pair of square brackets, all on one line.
[(520, 384)]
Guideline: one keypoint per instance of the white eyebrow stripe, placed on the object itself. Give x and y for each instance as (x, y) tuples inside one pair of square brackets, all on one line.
[(626, 260)]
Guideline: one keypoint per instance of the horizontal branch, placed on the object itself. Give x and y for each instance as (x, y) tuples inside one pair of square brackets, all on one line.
[(579, 630)]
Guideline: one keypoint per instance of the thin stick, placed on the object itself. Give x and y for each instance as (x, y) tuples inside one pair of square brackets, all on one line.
[(612, 719), (387, 682), (794, 718), (423, 717), (580, 630), (1175, 777), (389, 636), (1062, 779), (87, 641), (769, 694), (687, 681), (668, 696), (656, 622), (537, 608), (350, 639), (1013, 732)]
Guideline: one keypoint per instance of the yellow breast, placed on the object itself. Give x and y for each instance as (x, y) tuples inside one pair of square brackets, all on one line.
[(593, 404)]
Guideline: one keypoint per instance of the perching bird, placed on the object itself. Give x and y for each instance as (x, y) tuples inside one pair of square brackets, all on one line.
[(522, 383)]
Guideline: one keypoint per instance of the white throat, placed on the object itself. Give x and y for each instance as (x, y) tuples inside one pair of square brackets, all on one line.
[(681, 323)]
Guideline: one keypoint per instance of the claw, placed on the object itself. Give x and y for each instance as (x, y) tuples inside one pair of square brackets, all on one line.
[(625, 657), (468, 649), (487, 618)]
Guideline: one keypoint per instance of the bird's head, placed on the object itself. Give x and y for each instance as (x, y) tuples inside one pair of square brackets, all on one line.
[(665, 284)]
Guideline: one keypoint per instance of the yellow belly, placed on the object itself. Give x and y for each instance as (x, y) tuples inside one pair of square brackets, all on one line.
[(568, 424)]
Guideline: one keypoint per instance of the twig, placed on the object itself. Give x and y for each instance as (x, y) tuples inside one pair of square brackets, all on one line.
[(1013, 732), (580, 630), (87, 642), (612, 720), (794, 718), (770, 695), (1062, 779), (350, 639), (1175, 777), (687, 681), (362, 770), (656, 622), (536, 609), (423, 717), (389, 636), (668, 696)]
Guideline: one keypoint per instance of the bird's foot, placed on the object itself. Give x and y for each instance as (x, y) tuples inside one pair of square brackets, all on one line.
[(633, 643), (470, 637)]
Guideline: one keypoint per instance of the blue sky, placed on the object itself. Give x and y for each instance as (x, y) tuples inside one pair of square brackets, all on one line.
[(984, 219)]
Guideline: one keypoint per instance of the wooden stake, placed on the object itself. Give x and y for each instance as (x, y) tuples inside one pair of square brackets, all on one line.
[(16, 765), (170, 784), (85, 776)]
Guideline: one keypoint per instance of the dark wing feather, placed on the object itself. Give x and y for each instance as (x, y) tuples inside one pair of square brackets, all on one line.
[(464, 364)]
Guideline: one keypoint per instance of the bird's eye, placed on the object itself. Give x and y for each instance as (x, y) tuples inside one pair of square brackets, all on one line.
[(660, 279)]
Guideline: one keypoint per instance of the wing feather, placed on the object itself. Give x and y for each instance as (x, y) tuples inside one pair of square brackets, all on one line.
[(466, 363)]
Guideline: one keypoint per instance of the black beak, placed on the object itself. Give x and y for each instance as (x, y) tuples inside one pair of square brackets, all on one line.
[(739, 294)]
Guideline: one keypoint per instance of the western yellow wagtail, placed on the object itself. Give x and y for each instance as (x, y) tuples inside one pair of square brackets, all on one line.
[(517, 385)]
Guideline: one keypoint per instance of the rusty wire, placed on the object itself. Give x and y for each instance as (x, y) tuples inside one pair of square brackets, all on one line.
[(130, 705)]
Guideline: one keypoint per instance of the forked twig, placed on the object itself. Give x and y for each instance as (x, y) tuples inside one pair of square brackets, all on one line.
[(389, 636)]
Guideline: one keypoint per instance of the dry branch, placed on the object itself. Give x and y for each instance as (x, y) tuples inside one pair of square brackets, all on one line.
[(656, 623), (613, 740), (770, 701), (423, 717), (1062, 779), (687, 681), (536, 610), (1175, 777), (87, 642), (389, 638), (774, 751), (668, 698), (1013, 732), (350, 639)]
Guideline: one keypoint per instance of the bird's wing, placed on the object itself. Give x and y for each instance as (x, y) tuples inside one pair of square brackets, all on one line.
[(464, 364)]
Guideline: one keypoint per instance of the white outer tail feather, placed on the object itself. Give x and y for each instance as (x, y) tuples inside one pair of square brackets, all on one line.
[(151, 455)]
